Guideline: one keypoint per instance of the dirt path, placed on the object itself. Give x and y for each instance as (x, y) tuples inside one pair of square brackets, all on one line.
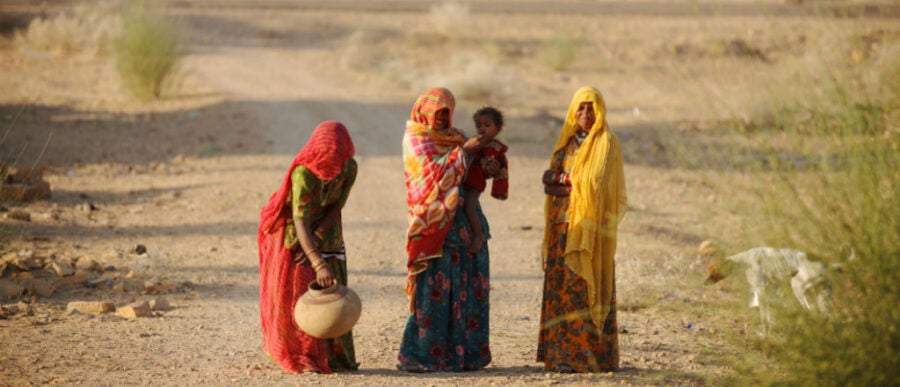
[(375, 215), (185, 177)]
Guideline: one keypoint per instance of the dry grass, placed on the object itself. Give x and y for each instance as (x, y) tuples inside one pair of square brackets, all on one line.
[(819, 174), (560, 51), (407, 57), (148, 51), (87, 29), (474, 80), (451, 19)]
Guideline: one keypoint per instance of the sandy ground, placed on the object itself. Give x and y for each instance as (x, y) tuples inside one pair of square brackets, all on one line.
[(186, 176)]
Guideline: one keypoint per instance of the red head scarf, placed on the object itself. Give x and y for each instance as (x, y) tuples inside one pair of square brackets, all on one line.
[(328, 148)]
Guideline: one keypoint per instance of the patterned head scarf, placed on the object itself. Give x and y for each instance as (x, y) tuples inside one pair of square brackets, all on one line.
[(434, 166), (429, 103), (597, 203), (421, 119)]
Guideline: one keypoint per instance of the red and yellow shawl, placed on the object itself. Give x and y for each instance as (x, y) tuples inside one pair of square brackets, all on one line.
[(434, 166)]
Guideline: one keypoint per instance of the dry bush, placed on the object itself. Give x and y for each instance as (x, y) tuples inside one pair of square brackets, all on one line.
[(823, 180), (844, 72), (148, 51), (473, 79), (805, 157), (450, 19), (848, 198), (361, 51), (559, 52), (85, 29)]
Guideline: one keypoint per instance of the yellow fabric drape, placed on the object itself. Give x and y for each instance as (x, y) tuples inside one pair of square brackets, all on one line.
[(597, 203)]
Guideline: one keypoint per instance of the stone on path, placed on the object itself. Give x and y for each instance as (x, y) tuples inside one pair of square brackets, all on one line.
[(9, 289), (60, 269), (38, 286), (160, 303), (24, 184), (132, 311), (90, 307), (87, 264)]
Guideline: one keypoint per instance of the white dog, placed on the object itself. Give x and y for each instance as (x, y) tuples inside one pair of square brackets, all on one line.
[(767, 269)]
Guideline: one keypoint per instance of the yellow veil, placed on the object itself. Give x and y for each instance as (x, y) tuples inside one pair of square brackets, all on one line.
[(596, 204)]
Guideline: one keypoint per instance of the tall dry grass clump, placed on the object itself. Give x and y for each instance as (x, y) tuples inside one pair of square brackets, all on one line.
[(85, 29), (474, 79), (829, 185), (148, 51), (450, 19)]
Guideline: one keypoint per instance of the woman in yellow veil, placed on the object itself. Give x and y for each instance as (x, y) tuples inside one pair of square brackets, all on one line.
[(585, 187)]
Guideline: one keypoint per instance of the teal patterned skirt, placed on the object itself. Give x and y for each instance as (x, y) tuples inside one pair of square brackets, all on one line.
[(449, 329)]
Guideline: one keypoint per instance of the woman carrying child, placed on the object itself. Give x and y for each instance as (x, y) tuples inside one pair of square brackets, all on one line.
[(447, 327)]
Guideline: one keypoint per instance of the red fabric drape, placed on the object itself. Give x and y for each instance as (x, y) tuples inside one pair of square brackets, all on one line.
[(281, 282)]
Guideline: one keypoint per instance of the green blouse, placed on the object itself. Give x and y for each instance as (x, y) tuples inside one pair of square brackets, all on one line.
[(310, 198)]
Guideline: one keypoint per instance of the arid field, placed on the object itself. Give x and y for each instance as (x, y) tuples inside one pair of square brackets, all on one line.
[(164, 194)]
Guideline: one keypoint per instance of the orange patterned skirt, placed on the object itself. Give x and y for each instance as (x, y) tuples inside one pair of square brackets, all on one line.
[(569, 341)]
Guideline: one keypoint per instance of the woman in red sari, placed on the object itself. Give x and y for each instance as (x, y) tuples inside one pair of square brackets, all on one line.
[(300, 241)]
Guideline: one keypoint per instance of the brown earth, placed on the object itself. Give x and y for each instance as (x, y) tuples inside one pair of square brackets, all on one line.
[(185, 177)]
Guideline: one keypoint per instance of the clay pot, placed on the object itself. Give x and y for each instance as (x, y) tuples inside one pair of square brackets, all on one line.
[(327, 313)]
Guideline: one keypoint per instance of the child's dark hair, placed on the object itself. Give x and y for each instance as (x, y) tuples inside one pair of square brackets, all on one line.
[(492, 112)]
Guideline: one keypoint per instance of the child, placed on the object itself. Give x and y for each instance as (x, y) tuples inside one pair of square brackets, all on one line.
[(488, 163)]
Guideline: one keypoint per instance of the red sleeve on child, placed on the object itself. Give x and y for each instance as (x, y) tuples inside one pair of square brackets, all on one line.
[(500, 185)]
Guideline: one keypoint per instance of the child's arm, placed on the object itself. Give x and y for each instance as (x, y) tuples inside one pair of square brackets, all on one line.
[(471, 202)]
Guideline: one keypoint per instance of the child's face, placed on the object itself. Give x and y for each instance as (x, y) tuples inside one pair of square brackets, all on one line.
[(486, 126)]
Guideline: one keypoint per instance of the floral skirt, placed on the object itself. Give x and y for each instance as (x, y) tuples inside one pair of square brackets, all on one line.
[(569, 341), (449, 329)]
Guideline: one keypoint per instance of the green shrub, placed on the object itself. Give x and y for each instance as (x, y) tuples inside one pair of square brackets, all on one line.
[(829, 186), (148, 51)]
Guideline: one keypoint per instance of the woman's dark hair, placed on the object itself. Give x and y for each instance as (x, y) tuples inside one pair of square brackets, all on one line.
[(492, 112)]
